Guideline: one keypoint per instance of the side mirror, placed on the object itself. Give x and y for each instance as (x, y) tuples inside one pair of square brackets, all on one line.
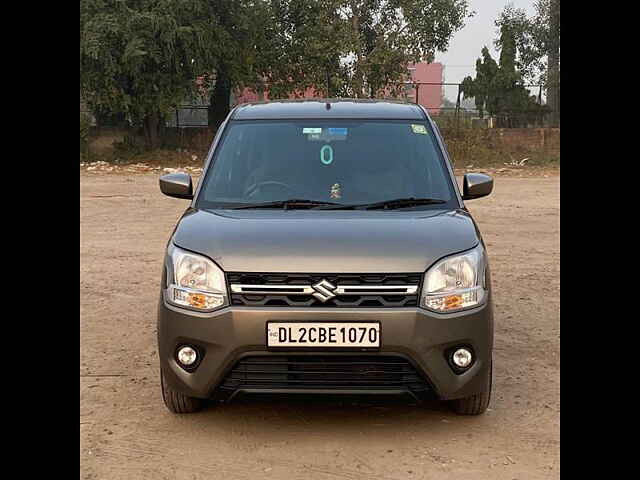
[(476, 185), (177, 185)]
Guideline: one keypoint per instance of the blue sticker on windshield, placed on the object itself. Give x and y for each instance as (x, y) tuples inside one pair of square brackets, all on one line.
[(337, 131), (326, 155)]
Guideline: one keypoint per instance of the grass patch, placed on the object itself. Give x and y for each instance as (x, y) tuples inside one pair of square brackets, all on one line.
[(484, 148)]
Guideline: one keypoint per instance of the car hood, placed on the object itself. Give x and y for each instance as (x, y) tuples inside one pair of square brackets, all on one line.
[(311, 241)]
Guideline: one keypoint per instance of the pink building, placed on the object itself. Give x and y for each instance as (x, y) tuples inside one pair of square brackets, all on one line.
[(430, 96)]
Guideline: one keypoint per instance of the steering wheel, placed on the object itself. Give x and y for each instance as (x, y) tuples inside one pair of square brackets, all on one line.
[(253, 188)]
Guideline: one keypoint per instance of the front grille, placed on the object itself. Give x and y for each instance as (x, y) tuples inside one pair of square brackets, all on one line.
[(312, 290), (335, 372)]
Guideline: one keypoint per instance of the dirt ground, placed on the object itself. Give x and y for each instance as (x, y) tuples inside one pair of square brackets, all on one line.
[(126, 432)]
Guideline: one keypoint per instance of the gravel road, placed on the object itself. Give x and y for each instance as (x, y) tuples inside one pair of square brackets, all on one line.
[(126, 432)]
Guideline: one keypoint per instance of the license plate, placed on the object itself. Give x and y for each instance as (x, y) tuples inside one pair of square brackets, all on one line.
[(323, 334)]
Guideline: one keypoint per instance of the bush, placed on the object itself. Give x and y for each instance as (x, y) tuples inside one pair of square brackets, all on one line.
[(130, 146), (466, 145)]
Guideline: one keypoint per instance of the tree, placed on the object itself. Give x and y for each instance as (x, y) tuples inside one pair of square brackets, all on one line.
[(140, 57), (538, 44), (553, 52), (243, 51), (357, 48), (309, 38), (499, 88), (143, 57), (336, 47), (480, 88)]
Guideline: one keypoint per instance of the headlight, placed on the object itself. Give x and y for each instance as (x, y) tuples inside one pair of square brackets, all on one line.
[(455, 283), (197, 282)]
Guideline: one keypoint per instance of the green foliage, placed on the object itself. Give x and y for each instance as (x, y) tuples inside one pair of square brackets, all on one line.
[(243, 28), (481, 88), (534, 37), (499, 88), (361, 45), (141, 57), (129, 147), (538, 43), (244, 49)]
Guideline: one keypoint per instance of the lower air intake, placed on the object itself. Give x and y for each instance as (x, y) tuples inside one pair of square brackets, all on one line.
[(334, 372)]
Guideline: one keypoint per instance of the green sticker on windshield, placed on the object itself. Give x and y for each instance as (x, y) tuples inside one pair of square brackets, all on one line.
[(419, 129)]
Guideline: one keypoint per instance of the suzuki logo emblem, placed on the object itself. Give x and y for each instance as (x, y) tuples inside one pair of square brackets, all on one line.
[(324, 290)]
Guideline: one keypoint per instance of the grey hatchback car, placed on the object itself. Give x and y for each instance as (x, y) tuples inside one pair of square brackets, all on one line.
[(327, 249)]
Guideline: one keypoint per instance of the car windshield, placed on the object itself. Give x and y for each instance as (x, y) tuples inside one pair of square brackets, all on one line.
[(346, 162)]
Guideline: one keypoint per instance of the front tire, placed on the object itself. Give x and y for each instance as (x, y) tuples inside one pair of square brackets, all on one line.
[(475, 404), (177, 402)]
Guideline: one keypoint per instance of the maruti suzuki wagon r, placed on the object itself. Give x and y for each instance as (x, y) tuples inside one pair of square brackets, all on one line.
[(326, 249)]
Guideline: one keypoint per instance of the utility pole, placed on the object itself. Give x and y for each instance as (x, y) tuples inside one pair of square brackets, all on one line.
[(328, 84), (457, 112)]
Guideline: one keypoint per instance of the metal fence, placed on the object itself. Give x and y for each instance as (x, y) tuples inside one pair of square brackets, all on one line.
[(423, 93), (463, 113), (186, 116)]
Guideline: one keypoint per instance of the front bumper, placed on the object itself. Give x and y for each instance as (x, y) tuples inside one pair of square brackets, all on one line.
[(232, 333)]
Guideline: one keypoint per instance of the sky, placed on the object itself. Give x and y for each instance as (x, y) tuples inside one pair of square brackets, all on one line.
[(464, 48)]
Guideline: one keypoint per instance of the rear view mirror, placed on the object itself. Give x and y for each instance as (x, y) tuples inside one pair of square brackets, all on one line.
[(177, 185), (476, 185)]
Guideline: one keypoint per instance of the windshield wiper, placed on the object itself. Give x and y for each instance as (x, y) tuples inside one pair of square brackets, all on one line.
[(403, 202), (322, 205), (389, 204), (286, 204)]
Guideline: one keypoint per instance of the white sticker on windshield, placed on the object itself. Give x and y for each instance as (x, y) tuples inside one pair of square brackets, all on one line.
[(306, 130), (419, 129)]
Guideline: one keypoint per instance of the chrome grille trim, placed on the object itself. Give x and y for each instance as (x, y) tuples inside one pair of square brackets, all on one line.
[(324, 290), (308, 289), (377, 290), (272, 289)]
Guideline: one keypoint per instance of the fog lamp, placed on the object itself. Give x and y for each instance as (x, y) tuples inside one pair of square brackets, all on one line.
[(187, 356), (462, 358)]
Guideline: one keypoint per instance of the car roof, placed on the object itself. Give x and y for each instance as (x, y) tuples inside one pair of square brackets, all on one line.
[(319, 108)]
